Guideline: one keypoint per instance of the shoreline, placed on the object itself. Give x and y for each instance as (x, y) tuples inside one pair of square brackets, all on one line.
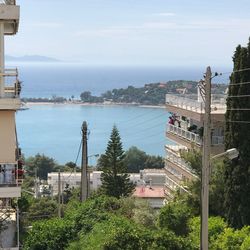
[(30, 104)]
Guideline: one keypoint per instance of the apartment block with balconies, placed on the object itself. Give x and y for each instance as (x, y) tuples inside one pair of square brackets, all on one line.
[(11, 172), (185, 130)]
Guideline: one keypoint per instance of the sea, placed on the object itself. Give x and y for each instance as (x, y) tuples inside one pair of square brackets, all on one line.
[(55, 129)]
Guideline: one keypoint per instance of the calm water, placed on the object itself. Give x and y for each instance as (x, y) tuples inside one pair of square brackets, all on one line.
[(55, 129), (65, 79)]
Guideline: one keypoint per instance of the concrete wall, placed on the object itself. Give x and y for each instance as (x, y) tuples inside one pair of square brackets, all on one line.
[(7, 137)]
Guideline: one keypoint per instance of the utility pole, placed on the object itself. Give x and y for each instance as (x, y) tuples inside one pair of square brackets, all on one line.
[(59, 194), (206, 161), (84, 165)]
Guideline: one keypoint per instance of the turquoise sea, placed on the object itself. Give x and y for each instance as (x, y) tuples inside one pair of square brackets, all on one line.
[(55, 130)]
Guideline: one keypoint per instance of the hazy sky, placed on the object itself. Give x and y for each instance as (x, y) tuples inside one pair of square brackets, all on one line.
[(152, 32)]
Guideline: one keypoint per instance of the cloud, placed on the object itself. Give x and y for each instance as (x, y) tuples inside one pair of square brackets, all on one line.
[(167, 14)]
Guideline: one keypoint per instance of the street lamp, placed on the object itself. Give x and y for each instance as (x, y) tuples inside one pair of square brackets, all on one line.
[(231, 153)]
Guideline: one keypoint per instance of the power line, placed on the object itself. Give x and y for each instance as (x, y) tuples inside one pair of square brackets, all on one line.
[(247, 109), (247, 122), (143, 122), (138, 116), (235, 96), (238, 83), (235, 71)]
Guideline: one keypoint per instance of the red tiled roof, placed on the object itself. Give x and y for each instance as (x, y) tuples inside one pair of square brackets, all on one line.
[(147, 192)]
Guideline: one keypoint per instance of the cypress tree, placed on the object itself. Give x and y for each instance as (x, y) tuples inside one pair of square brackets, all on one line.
[(115, 180), (237, 135)]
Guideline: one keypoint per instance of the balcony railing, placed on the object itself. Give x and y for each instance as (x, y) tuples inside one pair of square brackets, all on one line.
[(192, 137), (178, 161), (12, 84), (174, 185), (218, 103), (187, 135)]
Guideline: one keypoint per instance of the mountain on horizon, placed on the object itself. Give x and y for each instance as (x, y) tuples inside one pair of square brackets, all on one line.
[(30, 58)]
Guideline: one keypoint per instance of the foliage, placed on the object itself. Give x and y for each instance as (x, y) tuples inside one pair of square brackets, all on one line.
[(174, 216), (117, 233), (42, 164), (115, 180), (87, 97), (135, 160), (237, 135), (153, 161), (232, 239), (52, 234), (167, 240), (216, 226), (216, 186), (42, 208), (139, 211)]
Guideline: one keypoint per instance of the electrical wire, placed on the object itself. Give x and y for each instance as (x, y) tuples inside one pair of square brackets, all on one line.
[(235, 71), (78, 153), (235, 96), (247, 122), (238, 83)]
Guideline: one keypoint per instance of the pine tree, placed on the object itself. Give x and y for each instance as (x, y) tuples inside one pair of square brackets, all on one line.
[(237, 135), (115, 180)]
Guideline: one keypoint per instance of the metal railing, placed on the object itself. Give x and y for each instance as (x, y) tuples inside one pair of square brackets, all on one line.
[(174, 185), (192, 137), (12, 87), (179, 161), (218, 102)]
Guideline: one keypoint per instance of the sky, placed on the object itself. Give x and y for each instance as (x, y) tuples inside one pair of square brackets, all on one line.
[(132, 32)]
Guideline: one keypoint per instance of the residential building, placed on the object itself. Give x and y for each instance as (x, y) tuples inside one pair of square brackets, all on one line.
[(146, 177), (154, 195), (185, 130), (10, 163)]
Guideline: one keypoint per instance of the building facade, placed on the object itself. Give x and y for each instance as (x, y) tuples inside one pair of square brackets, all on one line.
[(10, 154), (185, 130)]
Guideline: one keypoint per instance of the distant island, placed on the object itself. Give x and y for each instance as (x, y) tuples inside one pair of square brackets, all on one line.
[(149, 94), (30, 58)]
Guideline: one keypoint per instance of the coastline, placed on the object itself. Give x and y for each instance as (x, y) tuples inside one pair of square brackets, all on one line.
[(30, 104)]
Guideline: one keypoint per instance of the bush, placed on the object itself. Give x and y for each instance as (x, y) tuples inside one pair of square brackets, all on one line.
[(174, 216), (52, 234), (115, 234), (216, 226)]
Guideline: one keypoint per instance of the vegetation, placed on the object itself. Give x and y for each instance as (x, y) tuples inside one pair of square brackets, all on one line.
[(136, 160), (150, 94), (115, 180), (40, 163), (237, 172)]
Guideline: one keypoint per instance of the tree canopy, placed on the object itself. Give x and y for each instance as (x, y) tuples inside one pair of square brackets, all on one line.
[(115, 180), (237, 135)]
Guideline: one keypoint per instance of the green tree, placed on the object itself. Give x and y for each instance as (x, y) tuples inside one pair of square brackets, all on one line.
[(115, 180), (154, 162), (53, 234), (174, 216), (135, 159), (43, 164), (42, 208), (237, 135)]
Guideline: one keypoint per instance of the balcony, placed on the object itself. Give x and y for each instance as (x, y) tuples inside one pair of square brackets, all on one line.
[(178, 167), (190, 107), (173, 186), (192, 140), (10, 100)]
